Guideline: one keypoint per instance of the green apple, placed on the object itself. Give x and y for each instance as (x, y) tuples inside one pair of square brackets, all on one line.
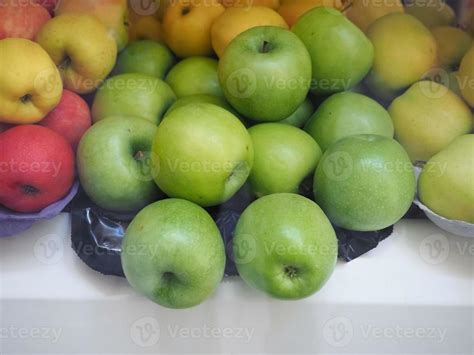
[(452, 43), (133, 94), (285, 246), (446, 181), (301, 115), (466, 77), (200, 98), (195, 75), (346, 114), (405, 50), (114, 164), (265, 73), (431, 13), (340, 52), (365, 182), (427, 117), (146, 57), (283, 156), (202, 153), (81, 47), (173, 253)]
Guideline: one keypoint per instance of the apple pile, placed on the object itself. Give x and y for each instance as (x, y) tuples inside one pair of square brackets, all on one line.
[(169, 109)]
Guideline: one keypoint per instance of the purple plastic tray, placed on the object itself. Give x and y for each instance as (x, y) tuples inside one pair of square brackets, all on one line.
[(12, 223)]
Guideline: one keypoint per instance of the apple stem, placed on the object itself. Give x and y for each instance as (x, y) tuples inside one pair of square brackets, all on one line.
[(266, 47), (29, 190), (26, 98)]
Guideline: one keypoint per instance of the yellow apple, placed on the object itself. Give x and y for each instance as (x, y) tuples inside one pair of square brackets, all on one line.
[(187, 26), (362, 12), (236, 20), (466, 76), (81, 47), (274, 4), (30, 84), (431, 12), (112, 13), (452, 43), (291, 10), (146, 27)]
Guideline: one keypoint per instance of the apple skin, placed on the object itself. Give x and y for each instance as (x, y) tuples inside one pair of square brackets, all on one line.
[(195, 75), (71, 118), (133, 94), (466, 76), (23, 20), (82, 49), (200, 98), (202, 153), (301, 115), (429, 104), (283, 156), (113, 160), (146, 57), (347, 114), (112, 13), (445, 183), (26, 96), (391, 35), (453, 43), (365, 182), (285, 246), (173, 253), (265, 73), (330, 36), (37, 168), (187, 26), (431, 14)]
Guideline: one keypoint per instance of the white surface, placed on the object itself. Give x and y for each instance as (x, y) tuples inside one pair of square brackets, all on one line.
[(413, 294)]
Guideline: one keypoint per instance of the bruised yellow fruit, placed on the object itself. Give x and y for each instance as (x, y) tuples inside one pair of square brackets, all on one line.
[(363, 13), (405, 50), (453, 43), (236, 20)]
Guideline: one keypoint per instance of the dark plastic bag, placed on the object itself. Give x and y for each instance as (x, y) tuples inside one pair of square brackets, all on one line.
[(97, 234)]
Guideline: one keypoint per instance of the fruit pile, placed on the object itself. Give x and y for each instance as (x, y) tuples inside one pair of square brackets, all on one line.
[(167, 110)]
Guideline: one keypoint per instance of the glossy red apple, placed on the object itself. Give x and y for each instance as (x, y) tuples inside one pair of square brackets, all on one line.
[(21, 19), (71, 118), (36, 168)]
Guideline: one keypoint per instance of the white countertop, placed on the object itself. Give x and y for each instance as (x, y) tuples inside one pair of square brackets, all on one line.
[(413, 294)]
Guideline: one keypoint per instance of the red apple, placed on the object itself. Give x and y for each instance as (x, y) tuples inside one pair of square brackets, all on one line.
[(36, 168), (21, 19), (71, 118)]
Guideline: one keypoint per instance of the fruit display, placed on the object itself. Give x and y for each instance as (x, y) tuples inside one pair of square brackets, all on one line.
[(241, 135)]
